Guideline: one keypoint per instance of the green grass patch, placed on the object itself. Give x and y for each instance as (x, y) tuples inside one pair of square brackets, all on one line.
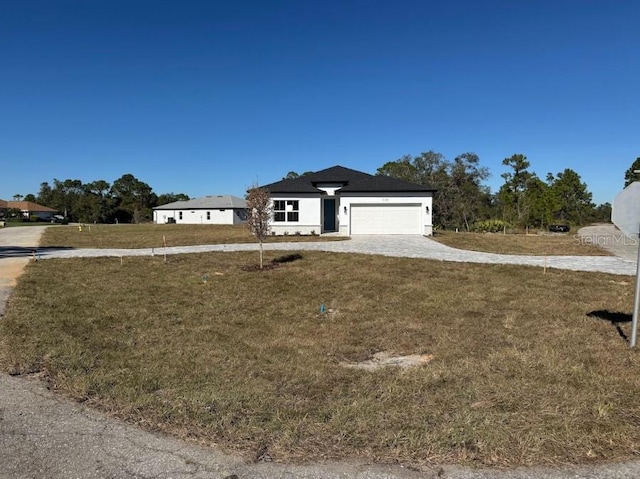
[(245, 360), (525, 244)]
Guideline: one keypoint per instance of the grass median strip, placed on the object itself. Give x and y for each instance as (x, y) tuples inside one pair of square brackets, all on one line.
[(532, 244), (155, 236), (518, 372)]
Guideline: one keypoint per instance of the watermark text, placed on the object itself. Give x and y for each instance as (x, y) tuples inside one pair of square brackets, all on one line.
[(606, 240)]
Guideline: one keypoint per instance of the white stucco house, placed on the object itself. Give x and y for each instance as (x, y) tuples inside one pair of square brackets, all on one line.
[(350, 202), (207, 210)]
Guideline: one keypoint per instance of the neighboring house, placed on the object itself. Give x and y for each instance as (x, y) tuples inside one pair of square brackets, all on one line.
[(29, 209), (208, 210), (350, 202)]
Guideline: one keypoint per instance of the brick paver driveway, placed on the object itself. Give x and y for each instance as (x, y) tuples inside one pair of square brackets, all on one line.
[(392, 245)]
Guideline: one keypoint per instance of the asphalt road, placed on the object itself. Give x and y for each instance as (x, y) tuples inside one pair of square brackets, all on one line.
[(43, 435), (16, 246)]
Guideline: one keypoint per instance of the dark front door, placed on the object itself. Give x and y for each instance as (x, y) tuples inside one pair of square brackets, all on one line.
[(329, 215)]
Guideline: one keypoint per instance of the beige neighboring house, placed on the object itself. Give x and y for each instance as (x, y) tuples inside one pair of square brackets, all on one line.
[(29, 208)]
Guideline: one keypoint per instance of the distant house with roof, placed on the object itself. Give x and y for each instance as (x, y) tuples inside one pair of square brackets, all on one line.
[(207, 210), (29, 209)]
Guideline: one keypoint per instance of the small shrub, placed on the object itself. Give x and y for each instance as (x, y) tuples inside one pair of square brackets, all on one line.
[(297, 233), (313, 232), (490, 226), (34, 218)]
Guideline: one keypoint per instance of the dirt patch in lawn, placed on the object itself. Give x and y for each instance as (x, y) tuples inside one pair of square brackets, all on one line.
[(385, 359)]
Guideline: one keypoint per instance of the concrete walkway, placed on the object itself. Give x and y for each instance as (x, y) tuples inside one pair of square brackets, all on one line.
[(45, 436)]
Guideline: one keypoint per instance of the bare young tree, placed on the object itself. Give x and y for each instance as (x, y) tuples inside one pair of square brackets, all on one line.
[(259, 215)]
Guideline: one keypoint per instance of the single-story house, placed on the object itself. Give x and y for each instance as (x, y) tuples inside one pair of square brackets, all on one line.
[(207, 210), (350, 202), (29, 209)]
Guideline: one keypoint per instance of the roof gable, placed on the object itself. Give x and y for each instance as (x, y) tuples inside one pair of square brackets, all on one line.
[(307, 183), (351, 181)]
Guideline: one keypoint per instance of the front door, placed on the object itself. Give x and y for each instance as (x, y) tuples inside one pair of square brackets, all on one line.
[(329, 215)]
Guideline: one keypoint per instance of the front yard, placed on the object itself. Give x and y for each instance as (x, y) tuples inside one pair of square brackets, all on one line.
[(523, 370)]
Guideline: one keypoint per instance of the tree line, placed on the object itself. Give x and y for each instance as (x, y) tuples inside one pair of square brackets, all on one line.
[(463, 201), (127, 200)]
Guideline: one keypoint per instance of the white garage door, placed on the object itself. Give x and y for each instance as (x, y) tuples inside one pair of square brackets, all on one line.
[(388, 219)]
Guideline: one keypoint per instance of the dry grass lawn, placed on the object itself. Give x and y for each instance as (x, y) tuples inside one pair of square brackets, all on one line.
[(154, 236), (532, 244), (521, 374)]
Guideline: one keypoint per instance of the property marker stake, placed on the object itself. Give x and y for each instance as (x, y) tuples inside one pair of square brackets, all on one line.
[(121, 260), (636, 303)]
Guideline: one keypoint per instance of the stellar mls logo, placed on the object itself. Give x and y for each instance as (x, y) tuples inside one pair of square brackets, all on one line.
[(618, 239)]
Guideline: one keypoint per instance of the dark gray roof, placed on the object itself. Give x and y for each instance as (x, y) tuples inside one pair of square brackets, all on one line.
[(353, 181), (206, 202)]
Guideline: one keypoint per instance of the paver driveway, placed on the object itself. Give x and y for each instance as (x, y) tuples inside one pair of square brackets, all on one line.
[(392, 245)]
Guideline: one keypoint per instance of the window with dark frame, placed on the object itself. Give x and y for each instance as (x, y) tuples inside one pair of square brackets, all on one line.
[(278, 210), (286, 211), (179, 215), (208, 215), (293, 211)]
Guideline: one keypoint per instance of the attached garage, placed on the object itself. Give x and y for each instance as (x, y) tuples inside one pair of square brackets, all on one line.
[(372, 219)]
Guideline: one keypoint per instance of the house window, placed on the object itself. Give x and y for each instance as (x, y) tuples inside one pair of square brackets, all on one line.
[(208, 215), (279, 210), (286, 211), (292, 210), (179, 215)]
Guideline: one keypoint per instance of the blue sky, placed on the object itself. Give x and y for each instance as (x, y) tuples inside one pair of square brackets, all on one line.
[(208, 97)]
